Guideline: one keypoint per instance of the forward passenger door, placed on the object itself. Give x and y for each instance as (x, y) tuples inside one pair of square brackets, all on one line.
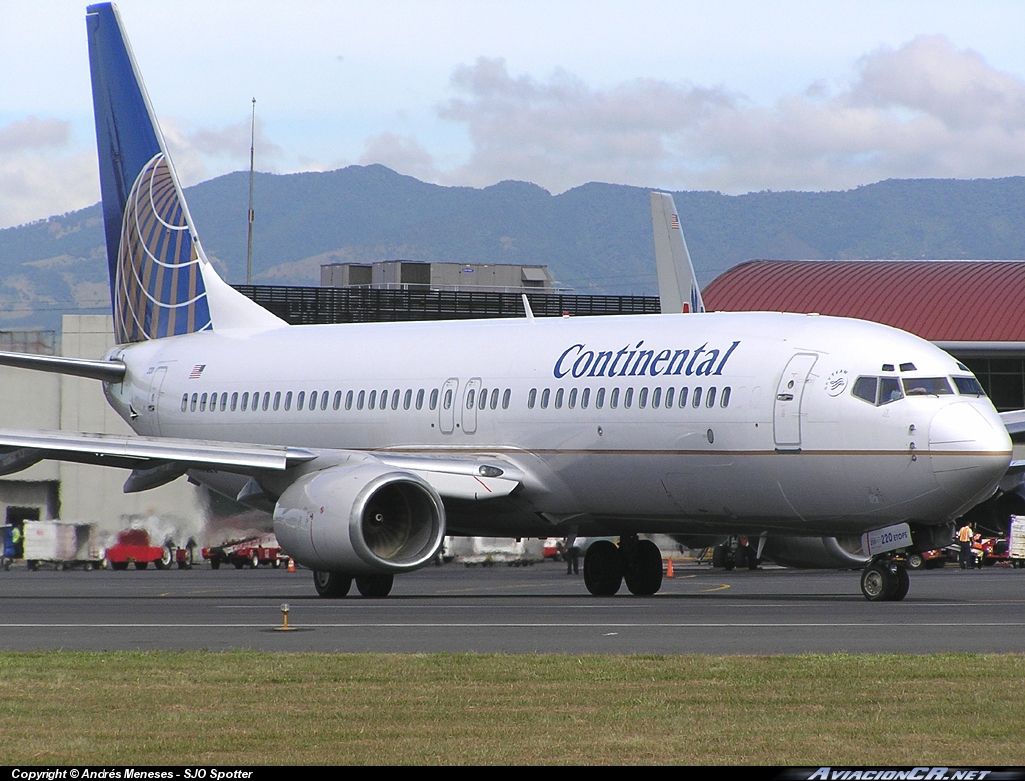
[(786, 425)]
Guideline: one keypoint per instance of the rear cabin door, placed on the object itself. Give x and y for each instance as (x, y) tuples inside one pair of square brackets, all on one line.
[(153, 403), (786, 426), (447, 406)]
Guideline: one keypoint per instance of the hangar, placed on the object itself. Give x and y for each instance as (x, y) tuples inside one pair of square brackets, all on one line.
[(970, 308)]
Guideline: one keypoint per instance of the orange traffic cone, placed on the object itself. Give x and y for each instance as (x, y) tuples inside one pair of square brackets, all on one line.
[(669, 569), (291, 565)]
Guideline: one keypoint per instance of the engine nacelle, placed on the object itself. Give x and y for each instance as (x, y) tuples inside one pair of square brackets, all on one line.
[(360, 520), (814, 552)]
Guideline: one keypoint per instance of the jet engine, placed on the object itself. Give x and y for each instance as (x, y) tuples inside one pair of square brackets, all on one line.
[(360, 520), (815, 552)]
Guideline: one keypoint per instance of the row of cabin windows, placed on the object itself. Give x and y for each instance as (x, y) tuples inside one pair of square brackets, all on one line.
[(322, 399), (657, 397)]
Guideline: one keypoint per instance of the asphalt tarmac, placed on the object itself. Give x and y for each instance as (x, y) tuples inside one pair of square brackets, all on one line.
[(537, 609)]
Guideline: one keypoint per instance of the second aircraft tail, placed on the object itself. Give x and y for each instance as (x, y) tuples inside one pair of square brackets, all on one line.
[(678, 288)]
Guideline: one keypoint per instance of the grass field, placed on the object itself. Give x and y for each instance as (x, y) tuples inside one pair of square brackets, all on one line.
[(265, 708)]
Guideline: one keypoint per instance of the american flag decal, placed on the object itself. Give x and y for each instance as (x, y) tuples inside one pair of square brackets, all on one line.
[(675, 223), (196, 371)]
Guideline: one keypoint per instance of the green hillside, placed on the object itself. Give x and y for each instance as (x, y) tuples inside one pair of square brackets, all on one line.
[(596, 238)]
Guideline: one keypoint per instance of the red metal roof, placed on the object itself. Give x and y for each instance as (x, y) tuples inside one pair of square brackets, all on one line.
[(942, 301)]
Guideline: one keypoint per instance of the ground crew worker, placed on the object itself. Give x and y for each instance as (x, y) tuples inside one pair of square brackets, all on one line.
[(964, 536), (16, 540)]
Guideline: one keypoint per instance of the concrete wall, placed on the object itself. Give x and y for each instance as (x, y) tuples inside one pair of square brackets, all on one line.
[(37, 400)]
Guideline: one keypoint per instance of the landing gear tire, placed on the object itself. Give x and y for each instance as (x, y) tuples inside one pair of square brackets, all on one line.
[(603, 569), (374, 586), (643, 570), (878, 583), (903, 584), (332, 585)]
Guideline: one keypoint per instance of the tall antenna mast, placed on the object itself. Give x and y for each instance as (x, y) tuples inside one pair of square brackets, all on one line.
[(252, 214)]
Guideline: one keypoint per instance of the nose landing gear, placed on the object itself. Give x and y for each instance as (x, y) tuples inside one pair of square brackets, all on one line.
[(885, 580)]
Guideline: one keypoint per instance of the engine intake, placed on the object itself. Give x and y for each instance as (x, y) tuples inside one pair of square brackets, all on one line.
[(360, 520)]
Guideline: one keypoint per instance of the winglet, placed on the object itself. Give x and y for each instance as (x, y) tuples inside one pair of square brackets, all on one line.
[(678, 288), (527, 309)]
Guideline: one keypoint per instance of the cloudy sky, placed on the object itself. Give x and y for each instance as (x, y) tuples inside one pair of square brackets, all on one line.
[(737, 95)]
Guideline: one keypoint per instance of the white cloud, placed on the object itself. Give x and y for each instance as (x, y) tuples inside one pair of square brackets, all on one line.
[(34, 133), (403, 154), (924, 109), (200, 153), (39, 175)]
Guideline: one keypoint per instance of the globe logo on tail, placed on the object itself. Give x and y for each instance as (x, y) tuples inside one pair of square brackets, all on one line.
[(159, 290)]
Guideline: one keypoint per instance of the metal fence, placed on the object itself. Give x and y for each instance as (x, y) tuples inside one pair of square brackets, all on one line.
[(319, 305)]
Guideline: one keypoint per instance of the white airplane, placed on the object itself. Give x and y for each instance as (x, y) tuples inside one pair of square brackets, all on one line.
[(368, 443)]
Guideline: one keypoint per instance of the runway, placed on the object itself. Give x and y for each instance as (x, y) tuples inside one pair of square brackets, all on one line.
[(512, 610)]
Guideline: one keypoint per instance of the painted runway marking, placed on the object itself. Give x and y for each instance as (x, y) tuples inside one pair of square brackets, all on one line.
[(530, 624)]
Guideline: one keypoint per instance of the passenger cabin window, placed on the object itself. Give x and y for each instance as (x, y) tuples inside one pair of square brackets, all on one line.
[(407, 400), (434, 399), (185, 402), (599, 398), (420, 399), (506, 398), (531, 398), (927, 386), (234, 401), (348, 400), (288, 401), (683, 397), (710, 398), (337, 401), (544, 398), (724, 402), (245, 401)]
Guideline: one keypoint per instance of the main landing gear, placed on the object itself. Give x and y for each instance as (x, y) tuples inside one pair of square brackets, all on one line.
[(885, 580), (334, 585), (638, 562)]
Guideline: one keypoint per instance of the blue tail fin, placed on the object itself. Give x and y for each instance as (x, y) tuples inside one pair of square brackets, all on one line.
[(161, 283)]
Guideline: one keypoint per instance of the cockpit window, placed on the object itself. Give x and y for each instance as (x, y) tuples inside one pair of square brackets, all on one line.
[(889, 390), (927, 386), (865, 389), (968, 386)]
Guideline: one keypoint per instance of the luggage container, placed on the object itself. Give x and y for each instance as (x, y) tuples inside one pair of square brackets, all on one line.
[(64, 545)]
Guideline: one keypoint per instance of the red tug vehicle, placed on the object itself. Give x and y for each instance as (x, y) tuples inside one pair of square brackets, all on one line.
[(250, 552)]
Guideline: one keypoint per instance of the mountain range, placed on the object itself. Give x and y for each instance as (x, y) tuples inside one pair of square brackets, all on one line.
[(596, 238)]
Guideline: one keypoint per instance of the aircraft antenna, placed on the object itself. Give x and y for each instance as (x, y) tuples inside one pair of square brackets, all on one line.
[(252, 214)]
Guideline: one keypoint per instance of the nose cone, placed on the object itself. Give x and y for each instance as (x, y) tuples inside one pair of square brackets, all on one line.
[(969, 449)]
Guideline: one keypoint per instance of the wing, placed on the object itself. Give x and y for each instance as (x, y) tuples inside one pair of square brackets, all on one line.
[(155, 461)]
